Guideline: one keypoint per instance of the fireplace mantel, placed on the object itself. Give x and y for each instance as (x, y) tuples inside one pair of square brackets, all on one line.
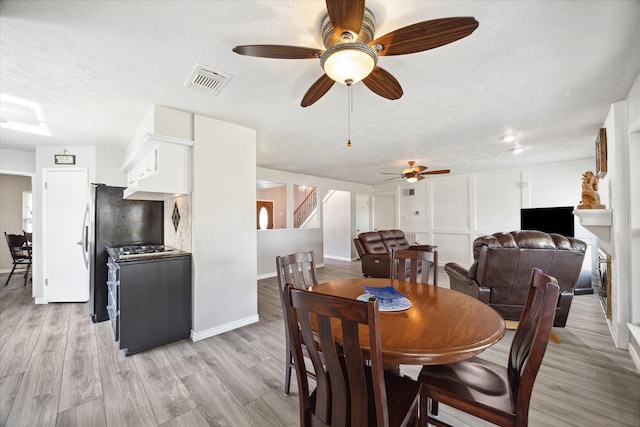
[(598, 221)]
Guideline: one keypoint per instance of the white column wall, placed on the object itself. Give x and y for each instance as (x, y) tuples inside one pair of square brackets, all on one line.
[(224, 246), (633, 128), (336, 230)]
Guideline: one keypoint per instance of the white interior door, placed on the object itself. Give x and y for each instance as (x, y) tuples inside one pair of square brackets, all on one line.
[(66, 194), (362, 213), (384, 212)]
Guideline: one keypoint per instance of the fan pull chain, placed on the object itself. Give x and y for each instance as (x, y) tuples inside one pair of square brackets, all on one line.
[(349, 110)]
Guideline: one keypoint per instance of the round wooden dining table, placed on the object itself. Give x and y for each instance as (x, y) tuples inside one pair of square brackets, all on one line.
[(441, 326)]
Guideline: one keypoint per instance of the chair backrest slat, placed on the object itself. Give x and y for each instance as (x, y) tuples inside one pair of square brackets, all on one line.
[(530, 340), (420, 263), (298, 269), (341, 394)]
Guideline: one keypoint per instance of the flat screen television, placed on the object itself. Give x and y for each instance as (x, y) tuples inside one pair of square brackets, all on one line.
[(550, 220)]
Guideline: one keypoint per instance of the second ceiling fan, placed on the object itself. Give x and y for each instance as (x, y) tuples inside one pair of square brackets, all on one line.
[(351, 53), (417, 173)]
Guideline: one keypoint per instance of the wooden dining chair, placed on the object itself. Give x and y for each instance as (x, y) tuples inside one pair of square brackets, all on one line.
[(300, 270), (490, 391), (348, 392), (415, 264), (19, 255)]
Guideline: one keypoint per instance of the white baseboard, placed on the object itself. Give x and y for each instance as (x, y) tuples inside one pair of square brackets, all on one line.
[(339, 258), (41, 301), (197, 336)]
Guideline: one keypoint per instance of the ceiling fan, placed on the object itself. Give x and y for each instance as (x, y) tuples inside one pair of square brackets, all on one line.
[(413, 174), (351, 53)]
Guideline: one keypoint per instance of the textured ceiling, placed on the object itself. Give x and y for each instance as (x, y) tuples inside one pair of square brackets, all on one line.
[(546, 70)]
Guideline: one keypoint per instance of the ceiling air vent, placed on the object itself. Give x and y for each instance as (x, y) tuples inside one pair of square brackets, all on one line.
[(208, 79)]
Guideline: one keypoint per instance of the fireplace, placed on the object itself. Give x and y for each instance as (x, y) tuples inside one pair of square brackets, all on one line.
[(604, 282)]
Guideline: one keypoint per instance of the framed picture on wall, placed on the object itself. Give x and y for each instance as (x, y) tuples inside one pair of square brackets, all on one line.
[(601, 152)]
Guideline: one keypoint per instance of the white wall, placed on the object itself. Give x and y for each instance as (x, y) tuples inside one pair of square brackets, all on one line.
[(224, 245), (272, 243), (17, 162), (108, 162), (337, 231)]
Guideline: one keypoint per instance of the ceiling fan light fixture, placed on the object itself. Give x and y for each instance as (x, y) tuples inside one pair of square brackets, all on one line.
[(346, 62), (412, 179)]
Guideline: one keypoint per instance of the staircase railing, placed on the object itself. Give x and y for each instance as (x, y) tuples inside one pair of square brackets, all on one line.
[(308, 206)]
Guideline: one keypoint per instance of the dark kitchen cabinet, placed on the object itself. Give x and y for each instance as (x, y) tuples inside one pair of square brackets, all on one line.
[(153, 302)]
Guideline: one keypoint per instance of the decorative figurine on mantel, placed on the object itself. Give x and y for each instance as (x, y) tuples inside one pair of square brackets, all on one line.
[(590, 197)]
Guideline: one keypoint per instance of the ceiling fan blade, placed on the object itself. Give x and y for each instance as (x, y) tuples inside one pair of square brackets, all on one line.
[(391, 179), (438, 172), (317, 90), (383, 83), (420, 177), (278, 51), (419, 169), (346, 15), (389, 173), (425, 35)]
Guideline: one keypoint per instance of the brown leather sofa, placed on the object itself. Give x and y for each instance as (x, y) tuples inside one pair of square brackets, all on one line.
[(374, 249), (503, 262)]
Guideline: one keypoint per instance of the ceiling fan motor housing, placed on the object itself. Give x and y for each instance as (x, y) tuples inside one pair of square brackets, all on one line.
[(330, 38)]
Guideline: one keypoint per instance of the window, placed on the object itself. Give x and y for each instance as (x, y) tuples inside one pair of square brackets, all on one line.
[(27, 211)]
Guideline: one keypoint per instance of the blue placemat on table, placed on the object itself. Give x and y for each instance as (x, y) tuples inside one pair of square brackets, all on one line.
[(386, 293), (389, 299), (395, 304)]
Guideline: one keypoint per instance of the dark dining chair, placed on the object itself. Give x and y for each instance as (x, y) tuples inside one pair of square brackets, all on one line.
[(350, 390), (29, 236), (490, 391), (300, 270), (20, 256), (414, 265)]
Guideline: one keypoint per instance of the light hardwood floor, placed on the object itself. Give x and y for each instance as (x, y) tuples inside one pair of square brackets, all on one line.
[(57, 368)]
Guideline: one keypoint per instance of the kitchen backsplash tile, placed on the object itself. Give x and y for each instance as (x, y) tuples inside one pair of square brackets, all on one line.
[(177, 222)]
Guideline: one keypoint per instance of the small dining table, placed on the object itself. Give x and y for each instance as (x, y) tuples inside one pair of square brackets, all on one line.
[(441, 326)]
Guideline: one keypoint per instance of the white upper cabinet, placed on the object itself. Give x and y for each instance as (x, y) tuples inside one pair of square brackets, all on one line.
[(160, 169), (158, 162)]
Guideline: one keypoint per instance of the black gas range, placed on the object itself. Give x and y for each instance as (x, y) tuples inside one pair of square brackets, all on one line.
[(149, 295)]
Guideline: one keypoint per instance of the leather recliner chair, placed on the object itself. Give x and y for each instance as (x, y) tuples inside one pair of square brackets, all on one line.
[(503, 262)]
